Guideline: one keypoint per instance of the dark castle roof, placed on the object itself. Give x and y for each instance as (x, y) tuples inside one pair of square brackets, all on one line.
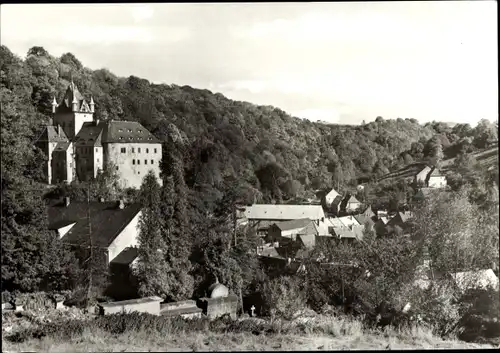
[(114, 132), (72, 95), (51, 134)]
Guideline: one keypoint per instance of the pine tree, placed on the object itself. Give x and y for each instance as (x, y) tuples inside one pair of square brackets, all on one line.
[(176, 233), (152, 270)]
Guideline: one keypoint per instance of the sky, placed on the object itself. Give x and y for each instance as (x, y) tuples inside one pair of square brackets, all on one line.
[(335, 62)]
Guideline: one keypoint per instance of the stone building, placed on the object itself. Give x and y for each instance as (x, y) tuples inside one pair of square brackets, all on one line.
[(78, 145)]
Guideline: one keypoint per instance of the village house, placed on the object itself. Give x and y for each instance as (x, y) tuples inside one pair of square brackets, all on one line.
[(110, 227), (436, 179), (367, 218), (262, 216), (291, 229), (430, 177), (400, 220), (78, 145), (350, 204)]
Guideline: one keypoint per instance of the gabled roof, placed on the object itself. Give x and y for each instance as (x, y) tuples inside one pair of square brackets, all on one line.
[(435, 173), (308, 240), (349, 221), (335, 222), (351, 233), (294, 224), (332, 194), (114, 132), (126, 257), (62, 146), (127, 131), (352, 199), (362, 220), (337, 201), (270, 252), (71, 95), (50, 134), (424, 172), (107, 221), (89, 134), (284, 212)]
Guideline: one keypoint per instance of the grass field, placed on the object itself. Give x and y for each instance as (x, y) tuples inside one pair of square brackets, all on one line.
[(145, 333)]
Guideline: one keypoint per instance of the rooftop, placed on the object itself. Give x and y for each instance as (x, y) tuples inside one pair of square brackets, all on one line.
[(284, 212), (113, 131), (107, 221), (293, 224)]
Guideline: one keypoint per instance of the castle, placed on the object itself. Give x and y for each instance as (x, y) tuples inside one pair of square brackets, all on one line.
[(78, 145)]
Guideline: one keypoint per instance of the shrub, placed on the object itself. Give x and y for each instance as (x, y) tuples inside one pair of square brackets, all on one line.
[(283, 297)]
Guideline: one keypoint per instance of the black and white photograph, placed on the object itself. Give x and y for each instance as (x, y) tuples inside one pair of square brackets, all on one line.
[(249, 176)]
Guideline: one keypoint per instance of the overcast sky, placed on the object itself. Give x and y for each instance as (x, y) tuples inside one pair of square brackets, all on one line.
[(338, 62)]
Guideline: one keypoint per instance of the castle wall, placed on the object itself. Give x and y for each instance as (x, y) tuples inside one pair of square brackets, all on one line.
[(133, 161)]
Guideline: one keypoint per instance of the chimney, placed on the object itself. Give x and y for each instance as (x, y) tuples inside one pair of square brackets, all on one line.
[(66, 201), (121, 204)]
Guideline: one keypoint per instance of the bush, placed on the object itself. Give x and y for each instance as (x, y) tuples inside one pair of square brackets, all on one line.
[(283, 297)]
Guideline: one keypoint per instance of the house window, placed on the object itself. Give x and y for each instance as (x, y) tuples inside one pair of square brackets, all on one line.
[(116, 167), (138, 161), (145, 161), (147, 150), (138, 172), (152, 162), (139, 150), (97, 160), (123, 150), (96, 149), (155, 150), (133, 161)]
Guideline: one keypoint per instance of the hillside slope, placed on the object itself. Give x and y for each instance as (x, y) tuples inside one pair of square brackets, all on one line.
[(272, 155)]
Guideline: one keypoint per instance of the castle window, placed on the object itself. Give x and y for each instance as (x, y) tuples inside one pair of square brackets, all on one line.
[(145, 161), (147, 150), (120, 130), (121, 137), (155, 150), (116, 167), (97, 160), (123, 150), (132, 149), (96, 149), (152, 162), (138, 172), (149, 138), (133, 161), (138, 161), (129, 130), (139, 150)]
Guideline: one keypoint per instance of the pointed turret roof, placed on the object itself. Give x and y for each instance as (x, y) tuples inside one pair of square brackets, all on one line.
[(71, 96)]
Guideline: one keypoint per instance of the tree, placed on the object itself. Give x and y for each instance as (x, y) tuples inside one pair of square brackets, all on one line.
[(177, 244), (152, 269), (459, 236)]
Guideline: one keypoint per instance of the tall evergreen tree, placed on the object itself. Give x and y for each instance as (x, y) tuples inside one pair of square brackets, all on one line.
[(177, 243), (152, 270)]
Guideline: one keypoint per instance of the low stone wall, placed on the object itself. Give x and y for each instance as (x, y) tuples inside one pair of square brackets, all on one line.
[(216, 307), (149, 305), (186, 309)]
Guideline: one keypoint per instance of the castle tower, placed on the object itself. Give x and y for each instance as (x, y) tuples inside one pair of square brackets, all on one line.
[(73, 111)]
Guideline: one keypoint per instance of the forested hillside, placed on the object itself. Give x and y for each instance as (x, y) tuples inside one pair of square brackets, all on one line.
[(274, 155)]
